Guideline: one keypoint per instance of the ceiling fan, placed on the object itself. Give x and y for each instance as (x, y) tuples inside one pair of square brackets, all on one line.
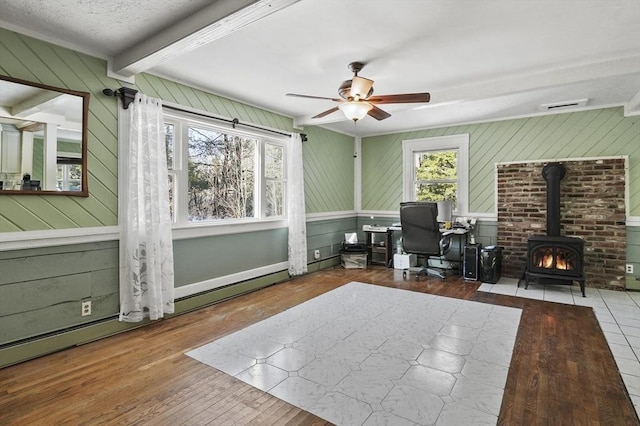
[(357, 100)]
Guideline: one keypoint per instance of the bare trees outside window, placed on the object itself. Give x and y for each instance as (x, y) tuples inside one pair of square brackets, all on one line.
[(221, 174), (274, 179)]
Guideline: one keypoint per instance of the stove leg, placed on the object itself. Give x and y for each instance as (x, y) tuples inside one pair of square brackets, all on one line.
[(582, 288)]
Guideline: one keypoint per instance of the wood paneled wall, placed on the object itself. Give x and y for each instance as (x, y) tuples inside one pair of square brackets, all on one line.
[(595, 133), (328, 155), (41, 289), (328, 171)]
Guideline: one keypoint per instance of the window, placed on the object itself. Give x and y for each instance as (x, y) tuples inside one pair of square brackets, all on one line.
[(68, 171), (436, 169), (221, 174), (274, 179)]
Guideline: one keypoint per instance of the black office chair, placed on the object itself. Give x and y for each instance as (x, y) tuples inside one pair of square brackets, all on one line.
[(421, 235)]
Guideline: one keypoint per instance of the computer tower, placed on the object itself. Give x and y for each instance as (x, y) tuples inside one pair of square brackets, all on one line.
[(490, 264), (470, 261)]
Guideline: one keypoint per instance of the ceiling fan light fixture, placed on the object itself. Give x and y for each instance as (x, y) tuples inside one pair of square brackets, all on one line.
[(355, 110), (360, 87)]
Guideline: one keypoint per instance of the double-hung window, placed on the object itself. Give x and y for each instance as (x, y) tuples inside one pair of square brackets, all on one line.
[(436, 169), (218, 174)]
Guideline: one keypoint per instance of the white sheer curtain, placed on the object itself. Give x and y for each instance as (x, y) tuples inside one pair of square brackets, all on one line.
[(146, 248), (295, 208)]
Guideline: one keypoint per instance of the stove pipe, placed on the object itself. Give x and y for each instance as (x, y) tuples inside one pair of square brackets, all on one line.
[(553, 174)]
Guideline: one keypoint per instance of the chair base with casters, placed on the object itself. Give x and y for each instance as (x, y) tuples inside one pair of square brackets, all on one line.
[(434, 272)]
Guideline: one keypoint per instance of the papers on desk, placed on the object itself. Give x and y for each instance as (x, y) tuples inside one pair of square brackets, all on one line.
[(351, 237), (395, 227), (374, 228), (457, 231)]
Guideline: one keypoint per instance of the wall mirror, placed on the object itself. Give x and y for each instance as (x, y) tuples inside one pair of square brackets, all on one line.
[(43, 139)]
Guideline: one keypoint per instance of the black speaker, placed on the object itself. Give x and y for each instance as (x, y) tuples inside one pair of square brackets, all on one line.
[(490, 264), (470, 262)]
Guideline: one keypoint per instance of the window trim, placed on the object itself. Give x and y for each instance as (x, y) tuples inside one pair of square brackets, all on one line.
[(438, 143)]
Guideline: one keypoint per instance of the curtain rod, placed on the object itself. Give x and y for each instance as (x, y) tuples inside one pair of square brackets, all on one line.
[(127, 95)]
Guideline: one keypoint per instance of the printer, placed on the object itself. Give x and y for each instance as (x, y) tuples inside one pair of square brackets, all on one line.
[(351, 244)]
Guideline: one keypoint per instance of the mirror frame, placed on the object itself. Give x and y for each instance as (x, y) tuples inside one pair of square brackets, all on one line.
[(84, 192)]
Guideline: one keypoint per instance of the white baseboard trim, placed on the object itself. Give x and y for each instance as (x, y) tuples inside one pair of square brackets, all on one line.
[(208, 285)]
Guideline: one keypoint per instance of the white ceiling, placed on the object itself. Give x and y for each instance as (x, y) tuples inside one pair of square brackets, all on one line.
[(480, 60)]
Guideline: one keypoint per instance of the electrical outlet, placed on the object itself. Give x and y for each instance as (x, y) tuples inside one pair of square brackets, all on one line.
[(86, 308), (316, 254), (629, 268)]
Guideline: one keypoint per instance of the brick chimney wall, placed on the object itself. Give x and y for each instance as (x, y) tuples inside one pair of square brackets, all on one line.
[(592, 207)]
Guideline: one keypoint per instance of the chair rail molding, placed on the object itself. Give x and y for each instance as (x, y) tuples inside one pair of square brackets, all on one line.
[(317, 217), (57, 237)]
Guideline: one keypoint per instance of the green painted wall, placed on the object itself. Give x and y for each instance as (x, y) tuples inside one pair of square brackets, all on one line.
[(200, 259), (38, 159), (328, 155), (327, 236), (632, 281), (41, 289), (596, 133), (328, 171), (33, 60)]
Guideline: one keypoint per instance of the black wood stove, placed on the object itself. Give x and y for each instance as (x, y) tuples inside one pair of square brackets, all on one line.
[(552, 258)]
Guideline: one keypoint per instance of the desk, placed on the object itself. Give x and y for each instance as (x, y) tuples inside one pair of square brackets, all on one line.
[(383, 251), (458, 233)]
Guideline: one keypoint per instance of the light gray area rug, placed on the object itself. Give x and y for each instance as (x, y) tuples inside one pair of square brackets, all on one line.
[(369, 355)]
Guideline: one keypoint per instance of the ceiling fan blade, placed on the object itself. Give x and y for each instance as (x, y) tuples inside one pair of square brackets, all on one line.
[(360, 87), (406, 98), (377, 113), (325, 113), (313, 97)]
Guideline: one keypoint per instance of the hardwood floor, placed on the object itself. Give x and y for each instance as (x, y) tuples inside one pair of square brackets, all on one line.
[(562, 371)]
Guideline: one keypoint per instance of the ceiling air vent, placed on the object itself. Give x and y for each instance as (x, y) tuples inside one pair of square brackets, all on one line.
[(562, 105)]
